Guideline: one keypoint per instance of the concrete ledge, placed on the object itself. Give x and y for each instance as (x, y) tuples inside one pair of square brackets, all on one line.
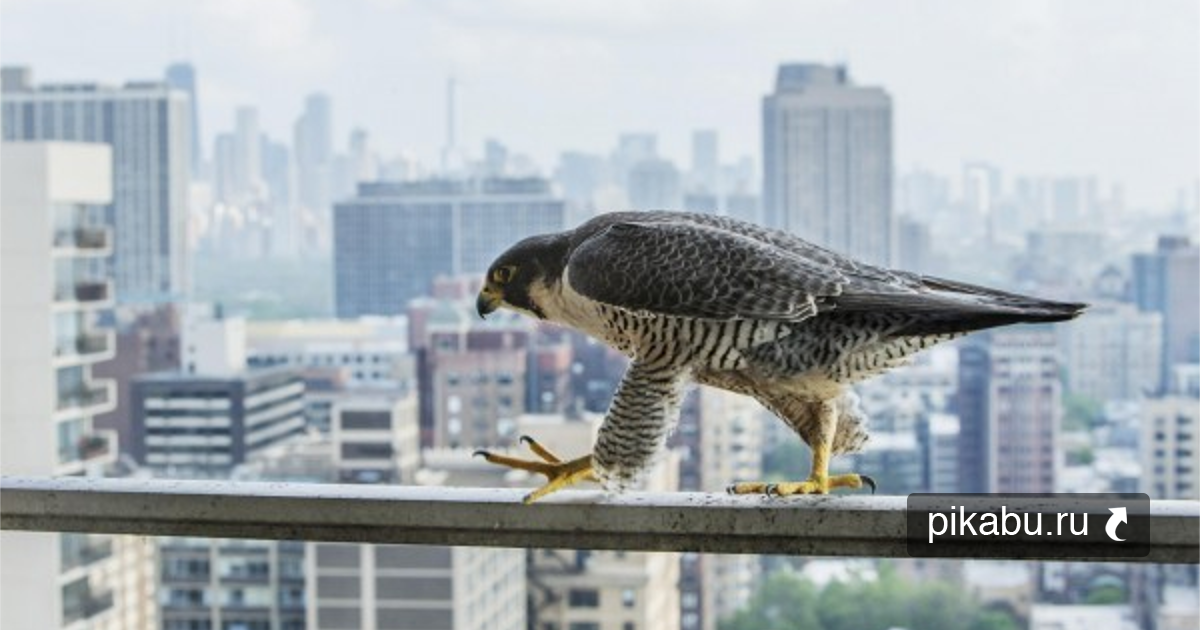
[(843, 525)]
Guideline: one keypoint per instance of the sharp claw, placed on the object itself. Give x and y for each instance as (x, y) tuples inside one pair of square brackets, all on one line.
[(869, 481), (730, 488), (772, 489), (525, 439), (480, 453)]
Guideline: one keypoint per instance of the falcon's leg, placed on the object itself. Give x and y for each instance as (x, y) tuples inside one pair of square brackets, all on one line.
[(558, 473), (632, 433), (820, 436)]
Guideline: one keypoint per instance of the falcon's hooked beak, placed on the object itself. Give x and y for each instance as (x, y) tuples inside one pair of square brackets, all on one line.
[(489, 299)]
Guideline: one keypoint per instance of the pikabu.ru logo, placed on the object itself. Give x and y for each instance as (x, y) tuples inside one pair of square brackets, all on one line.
[(1026, 526)]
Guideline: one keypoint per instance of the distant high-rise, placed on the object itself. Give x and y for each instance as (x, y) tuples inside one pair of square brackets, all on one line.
[(827, 160), (654, 185), (1167, 281), (394, 237), (1009, 402), (1113, 353), (182, 76), (247, 156), (312, 146), (147, 124), (706, 162), (1170, 447)]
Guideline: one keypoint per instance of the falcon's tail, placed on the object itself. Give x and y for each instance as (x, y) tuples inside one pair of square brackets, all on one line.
[(949, 307)]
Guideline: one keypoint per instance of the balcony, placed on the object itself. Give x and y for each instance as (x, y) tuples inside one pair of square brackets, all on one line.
[(86, 606), (94, 398), (98, 445), (90, 345), (84, 550), (863, 526), (83, 241), (84, 293)]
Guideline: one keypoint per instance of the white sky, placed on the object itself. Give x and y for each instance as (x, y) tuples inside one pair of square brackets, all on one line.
[(1037, 87)]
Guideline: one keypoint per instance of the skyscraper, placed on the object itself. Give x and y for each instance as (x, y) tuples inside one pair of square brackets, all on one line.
[(49, 397), (182, 77), (827, 156), (1167, 281), (706, 162), (147, 124), (1009, 401), (312, 146), (394, 237), (247, 155)]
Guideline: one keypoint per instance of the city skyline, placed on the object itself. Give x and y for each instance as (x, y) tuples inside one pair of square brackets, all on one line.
[(1061, 95)]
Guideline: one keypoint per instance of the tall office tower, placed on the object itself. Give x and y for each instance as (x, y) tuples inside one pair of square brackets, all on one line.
[(1168, 282), (147, 125), (706, 162), (827, 161), (49, 307), (182, 76), (279, 178), (312, 147), (394, 238), (1114, 352), (1009, 403), (970, 403), (654, 185), (224, 168), (247, 155)]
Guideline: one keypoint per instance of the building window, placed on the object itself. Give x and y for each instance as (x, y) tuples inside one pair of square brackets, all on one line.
[(583, 598), (628, 598)]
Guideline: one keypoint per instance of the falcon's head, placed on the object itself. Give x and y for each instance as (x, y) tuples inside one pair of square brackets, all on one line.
[(525, 272)]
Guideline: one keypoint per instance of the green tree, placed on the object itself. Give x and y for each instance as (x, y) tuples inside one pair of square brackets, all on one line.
[(787, 461), (1080, 412), (1106, 594), (782, 602), (993, 620), (786, 602)]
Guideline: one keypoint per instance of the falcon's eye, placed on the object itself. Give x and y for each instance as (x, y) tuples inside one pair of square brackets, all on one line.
[(503, 274)]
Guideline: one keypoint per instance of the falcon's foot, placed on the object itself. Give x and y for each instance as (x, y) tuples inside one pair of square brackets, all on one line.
[(559, 474), (813, 485)]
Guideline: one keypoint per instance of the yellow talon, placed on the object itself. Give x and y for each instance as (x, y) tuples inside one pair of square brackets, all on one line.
[(559, 474), (818, 482)]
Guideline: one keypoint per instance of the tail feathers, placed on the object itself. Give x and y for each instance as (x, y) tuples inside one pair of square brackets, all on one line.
[(946, 307), (979, 317)]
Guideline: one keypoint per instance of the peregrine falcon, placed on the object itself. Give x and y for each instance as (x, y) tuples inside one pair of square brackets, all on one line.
[(729, 304)]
